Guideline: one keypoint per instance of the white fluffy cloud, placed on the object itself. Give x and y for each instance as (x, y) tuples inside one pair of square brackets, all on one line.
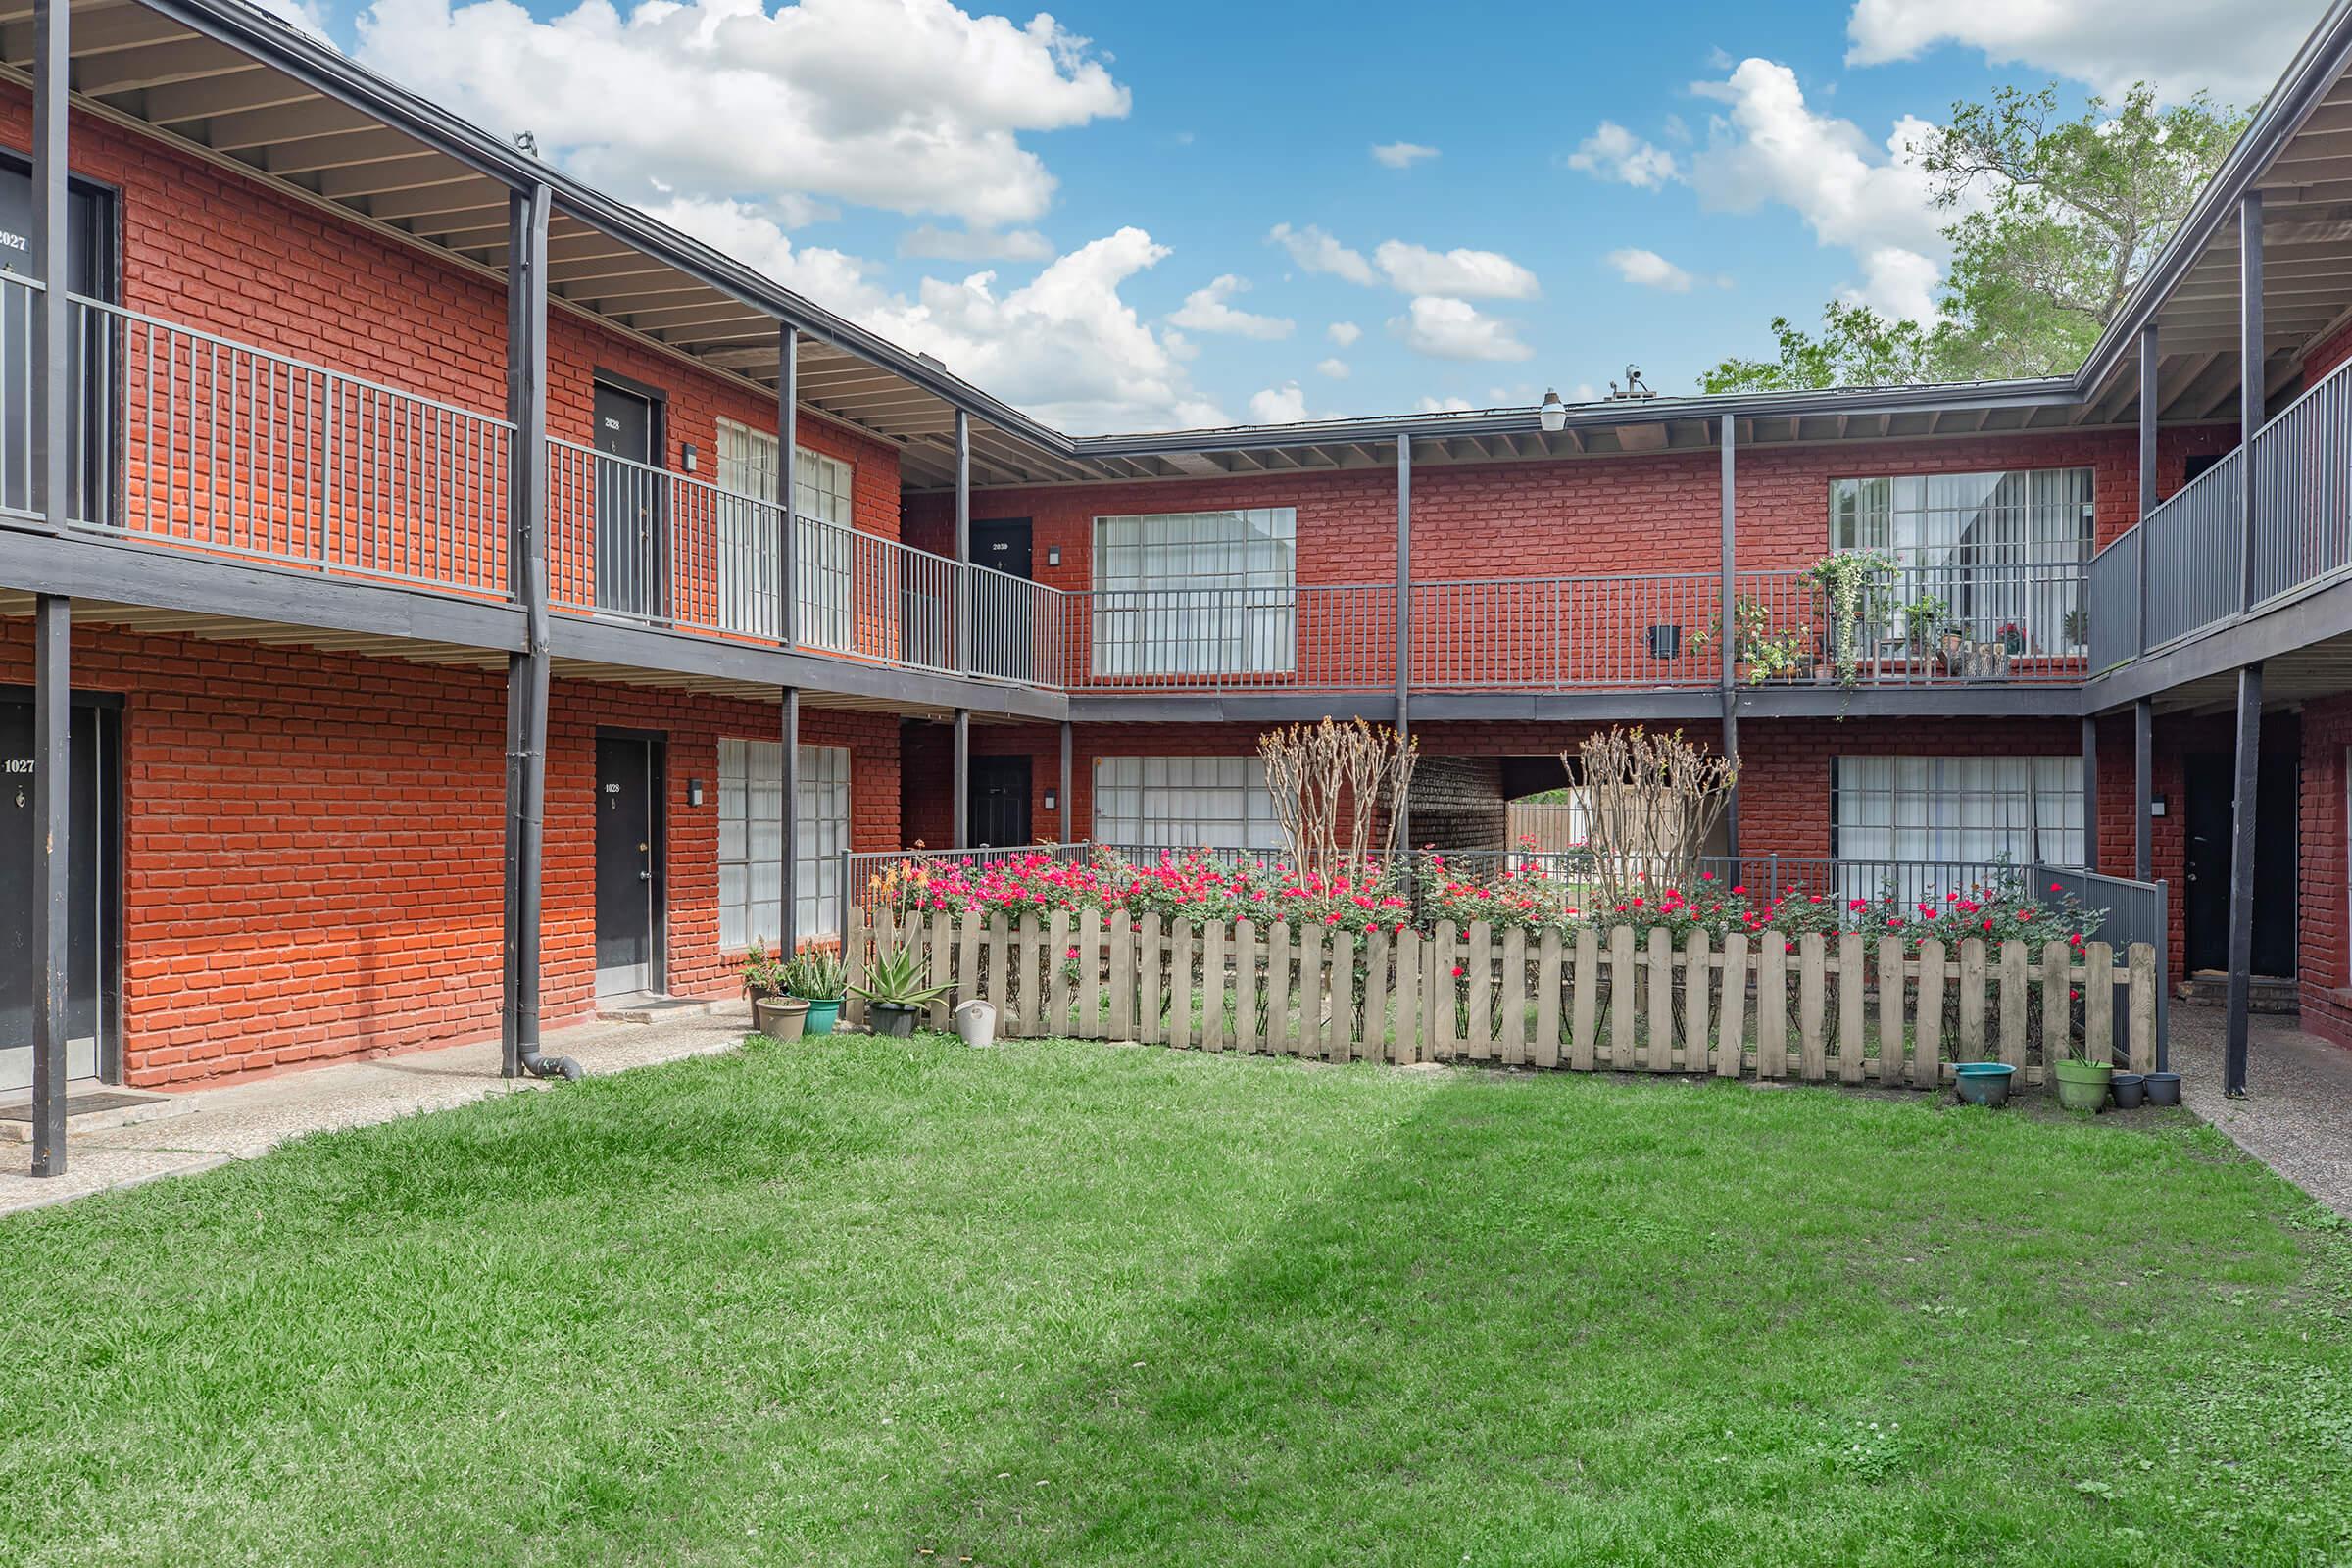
[(914, 105), (933, 243), (1768, 145), (1209, 310), (1650, 270), (1455, 329), (1335, 368), (1401, 153), (1613, 152), (1317, 251), (1344, 334), (1457, 274), (1281, 405), (1445, 404), (833, 278), (2236, 50)]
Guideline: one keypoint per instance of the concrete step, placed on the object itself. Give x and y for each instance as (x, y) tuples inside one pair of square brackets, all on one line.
[(96, 1107), (2267, 994), (648, 1008)]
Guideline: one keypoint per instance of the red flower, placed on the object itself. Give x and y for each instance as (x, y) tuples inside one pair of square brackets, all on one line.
[(1458, 971)]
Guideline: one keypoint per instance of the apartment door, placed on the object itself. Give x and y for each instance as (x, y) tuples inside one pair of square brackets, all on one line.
[(2210, 778), (997, 812), (1002, 636), (89, 259), (629, 882), (631, 554), (93, 896)]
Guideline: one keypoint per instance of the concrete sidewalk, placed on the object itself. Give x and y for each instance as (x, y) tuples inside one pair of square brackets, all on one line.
[(208, 1127), (2297, 1114)]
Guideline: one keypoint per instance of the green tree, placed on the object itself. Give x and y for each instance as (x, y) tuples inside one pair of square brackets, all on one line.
[(2055, 219)]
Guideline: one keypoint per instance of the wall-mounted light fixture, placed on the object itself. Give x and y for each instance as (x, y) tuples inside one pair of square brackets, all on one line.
[(1053, 801), (1052, 555), (1552, 414), (2155, 805), (689, 457), (694, 792)]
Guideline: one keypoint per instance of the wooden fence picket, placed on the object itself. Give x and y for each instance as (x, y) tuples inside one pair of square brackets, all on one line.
[(938, 966), (1731, 1030), (1812, 998), (1371, 1041), (1696, 975), (1971, 1000), (1214, 989), (1029, 1009), (1890, 1011), (1280, 996), (1927, 1056), (1511, 999), (2142, 1005), (1411, 951), (1181, 1028), (1772, 1005), (1310, 989), (1623, 989), (2013, 1005), (1851, 1015), (853, 943), (1548, 998), (1245, 987), (1444, 993), (1584, 998), (1661, 1000), (1479, 1035), (2057, 1009)]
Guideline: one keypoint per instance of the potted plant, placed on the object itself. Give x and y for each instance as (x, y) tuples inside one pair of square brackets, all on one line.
[(814, 974), (1856, 588), (2130, 1090), (2013, 638), (1984, 1083), (2077, 625), (2082, 1082), (898, 987), (763, 970), (1926, 625), (2162, 1088)]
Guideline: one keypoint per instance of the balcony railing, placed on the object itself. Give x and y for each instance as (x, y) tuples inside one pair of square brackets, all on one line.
[(191, 441), (196, 442), (2196, 541)]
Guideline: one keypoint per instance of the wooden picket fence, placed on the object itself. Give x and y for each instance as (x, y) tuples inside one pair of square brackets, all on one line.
[(1836, 1007)]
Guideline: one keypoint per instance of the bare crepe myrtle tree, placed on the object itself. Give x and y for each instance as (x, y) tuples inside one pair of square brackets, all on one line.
[(1651, 799), (1321, 774)]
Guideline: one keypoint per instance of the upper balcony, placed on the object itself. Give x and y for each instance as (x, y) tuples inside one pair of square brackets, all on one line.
[(192, 442)]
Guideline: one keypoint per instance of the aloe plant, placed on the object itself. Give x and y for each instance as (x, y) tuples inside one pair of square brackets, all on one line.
[(900, 977)]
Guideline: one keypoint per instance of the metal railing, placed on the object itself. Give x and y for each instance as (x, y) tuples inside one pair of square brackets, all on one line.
[(1640, 630), (197, 442), (2302, 528), (2196, 547), (1949, 615), (1310, 636), (2111, 598)]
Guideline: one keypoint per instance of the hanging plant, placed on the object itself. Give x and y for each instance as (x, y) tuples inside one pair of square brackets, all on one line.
[(1856, 588)]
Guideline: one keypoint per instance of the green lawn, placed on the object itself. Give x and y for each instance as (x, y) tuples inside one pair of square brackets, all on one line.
[(857, 1301)]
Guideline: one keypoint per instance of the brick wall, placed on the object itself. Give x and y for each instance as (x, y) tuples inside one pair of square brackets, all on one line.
[(311, 843)]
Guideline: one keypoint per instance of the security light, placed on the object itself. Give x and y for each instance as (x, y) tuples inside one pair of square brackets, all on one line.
[(1553, 414)]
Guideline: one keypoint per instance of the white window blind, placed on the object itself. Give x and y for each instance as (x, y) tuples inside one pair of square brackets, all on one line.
[(1196, 592), (1965, 812), (747, 463), (1999, 548), (1184, 803), (750, 784)]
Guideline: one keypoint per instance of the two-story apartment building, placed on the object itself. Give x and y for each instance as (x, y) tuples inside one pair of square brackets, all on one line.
[(409, 641)]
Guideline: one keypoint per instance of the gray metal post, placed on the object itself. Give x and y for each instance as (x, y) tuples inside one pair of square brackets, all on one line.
[(1403, 806), (2151, 392), (2242, 876), (2091, 792), (789, 936), (964, 778), (2250, 400), (1729, 630), (964, 553), (1069, 808), (2143, 768), (787, 475), (52, 924), (527, 671)]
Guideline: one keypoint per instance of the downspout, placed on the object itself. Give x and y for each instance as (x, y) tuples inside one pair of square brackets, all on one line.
[(527, 328)]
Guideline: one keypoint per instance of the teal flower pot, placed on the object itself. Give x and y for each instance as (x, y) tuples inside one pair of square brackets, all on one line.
[(1984, 1083), (823, 1013)]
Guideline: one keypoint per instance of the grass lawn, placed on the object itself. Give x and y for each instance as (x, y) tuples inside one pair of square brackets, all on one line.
[(863, 1301)]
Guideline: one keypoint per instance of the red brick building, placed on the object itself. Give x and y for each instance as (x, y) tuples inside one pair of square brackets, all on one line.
[(370, 430)]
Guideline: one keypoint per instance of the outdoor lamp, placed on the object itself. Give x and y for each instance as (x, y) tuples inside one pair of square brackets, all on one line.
[(1552, 414), (694, 792)]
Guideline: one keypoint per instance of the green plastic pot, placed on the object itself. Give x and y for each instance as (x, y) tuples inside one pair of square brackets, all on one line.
[(823, 1013), (2083, 1085), (1983, 1083)]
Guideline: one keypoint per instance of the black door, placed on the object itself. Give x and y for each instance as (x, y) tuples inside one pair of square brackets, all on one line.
[(2210, 779), (89, 212), (628, 864), (998, 810), (1002, 637), (93, 894), (631, 562)]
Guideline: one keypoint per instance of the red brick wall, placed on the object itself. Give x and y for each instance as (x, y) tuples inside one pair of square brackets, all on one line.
[(211, 249), (311, 843)]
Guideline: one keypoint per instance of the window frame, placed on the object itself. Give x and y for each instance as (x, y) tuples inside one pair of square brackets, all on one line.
[(1246, 626), (824, 779), (1257, 828)]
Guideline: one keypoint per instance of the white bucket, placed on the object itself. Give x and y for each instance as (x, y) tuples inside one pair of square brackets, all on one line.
[(976, 1022)]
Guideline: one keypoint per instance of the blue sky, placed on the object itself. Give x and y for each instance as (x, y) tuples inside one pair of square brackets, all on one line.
[(1592, 184)]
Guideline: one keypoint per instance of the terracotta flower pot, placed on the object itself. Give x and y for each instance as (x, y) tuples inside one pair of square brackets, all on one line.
[(780, 1017)]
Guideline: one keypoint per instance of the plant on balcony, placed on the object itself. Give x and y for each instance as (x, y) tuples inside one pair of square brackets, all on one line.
[(2013, 639), (2077, 626), (1927, 620), (1857, 590), (1766, 653)]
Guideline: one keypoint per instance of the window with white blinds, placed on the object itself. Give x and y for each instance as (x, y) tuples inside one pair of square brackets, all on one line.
[(751, 894), (1196, 592), (1965, 811), (1184, 803), (748, 464), (1999, 548)]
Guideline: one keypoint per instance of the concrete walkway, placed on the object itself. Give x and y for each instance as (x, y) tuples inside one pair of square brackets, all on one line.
[(2297, 1114), (209, 1127)]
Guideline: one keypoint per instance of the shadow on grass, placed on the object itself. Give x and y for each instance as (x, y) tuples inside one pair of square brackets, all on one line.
[(1666, 1322)]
